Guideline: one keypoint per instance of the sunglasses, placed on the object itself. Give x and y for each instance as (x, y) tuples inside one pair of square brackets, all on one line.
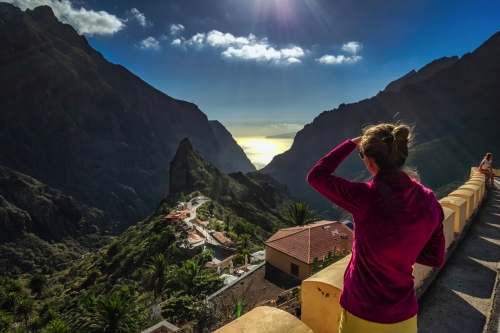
[(361, 154)]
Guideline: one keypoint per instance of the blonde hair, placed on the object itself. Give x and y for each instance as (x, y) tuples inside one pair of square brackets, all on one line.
[(387, 144)]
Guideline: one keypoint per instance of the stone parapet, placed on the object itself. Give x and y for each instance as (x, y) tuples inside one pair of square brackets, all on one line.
[(449, 226), (468, 196), (320, 298), (459, 205), (265, 319), (474, 189), (480, 184)]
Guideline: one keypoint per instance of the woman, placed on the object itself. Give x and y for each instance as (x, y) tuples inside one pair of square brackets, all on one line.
[(398, 223), (486, 167)]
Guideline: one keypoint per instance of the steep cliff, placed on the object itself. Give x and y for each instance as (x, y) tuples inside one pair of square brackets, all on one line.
[(460, 103), (254, 196), (86, 126), (233, 157)]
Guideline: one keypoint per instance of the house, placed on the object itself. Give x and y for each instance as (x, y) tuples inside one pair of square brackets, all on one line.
[(194, 239), (293, 250), (201, 223), (186, 205), (176, 216), (221, 238)]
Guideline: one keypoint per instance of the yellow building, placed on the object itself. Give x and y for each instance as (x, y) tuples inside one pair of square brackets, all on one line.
[(292, 250)]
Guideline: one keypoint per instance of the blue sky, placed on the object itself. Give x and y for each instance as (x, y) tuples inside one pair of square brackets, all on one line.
[(263, 62)]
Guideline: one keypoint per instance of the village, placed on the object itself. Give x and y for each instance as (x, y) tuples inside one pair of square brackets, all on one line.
[(271, 276)]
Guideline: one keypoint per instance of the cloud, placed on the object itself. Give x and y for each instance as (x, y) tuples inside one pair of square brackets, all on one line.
[(150, 43), (352, 47), (87, 22), (176, 41), (338, 60), (163, 37), (140, 17), (297, 127), (175, 28), (246, 48)]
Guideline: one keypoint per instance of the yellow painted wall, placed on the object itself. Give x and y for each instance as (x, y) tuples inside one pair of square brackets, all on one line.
[(469, 196), (459, 206), (283, 262)]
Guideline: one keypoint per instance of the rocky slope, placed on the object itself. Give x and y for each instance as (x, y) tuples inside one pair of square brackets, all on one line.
[(88, 127), (254, 196), (232, 156), (41, 226), (460, 103)]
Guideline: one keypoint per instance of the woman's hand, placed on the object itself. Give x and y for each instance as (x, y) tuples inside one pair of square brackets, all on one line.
[(357, 140)]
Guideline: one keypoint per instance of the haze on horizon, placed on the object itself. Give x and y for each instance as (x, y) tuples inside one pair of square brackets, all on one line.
[(264, 67)]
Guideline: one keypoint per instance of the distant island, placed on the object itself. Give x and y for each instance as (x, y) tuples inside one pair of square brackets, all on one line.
[(282, 136)]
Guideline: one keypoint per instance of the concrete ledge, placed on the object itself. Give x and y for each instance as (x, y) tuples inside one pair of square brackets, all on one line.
[(459, 205), (265, 319), (479, 184), (469, 196), (449, 226), (474, 189), (320, 298)]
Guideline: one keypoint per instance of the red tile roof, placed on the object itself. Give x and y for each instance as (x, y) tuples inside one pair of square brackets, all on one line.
[(310, 241), (222, 239)]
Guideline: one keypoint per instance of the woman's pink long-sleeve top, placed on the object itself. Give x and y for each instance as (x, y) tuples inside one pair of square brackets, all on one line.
[(398, 222)]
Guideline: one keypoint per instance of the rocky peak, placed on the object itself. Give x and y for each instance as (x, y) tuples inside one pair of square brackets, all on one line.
[(422, 74)]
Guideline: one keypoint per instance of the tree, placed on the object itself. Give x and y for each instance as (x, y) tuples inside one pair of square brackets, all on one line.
[(11, 301), (5, 321), (25, 308), (57, 326), (112, 313), (244, 241), (188, 273), (156, 275), (38, 284), (300, 214)]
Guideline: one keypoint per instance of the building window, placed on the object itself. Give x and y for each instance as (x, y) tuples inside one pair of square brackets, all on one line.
[(295, 270)]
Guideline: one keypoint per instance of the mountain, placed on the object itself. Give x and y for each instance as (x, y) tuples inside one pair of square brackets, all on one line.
[(40, 225), (252, 196), (422, 74), (456, 112), (231, 153), (90, 128)]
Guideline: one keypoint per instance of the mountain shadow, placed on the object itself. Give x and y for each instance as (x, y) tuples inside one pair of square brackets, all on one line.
[(88, 127)]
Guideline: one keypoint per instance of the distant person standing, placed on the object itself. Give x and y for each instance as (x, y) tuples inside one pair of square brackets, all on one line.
[(398, 222), (486, 167)]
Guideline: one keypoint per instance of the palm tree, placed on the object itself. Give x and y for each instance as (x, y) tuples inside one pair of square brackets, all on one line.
[(113, 313), (245, 241), (57, 326), (188, 274), (25, 308), (156, 275), (37, 284), (300, 214), (11, 301), (5, 321)]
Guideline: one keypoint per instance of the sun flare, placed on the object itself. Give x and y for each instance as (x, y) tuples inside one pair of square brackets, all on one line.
[(261, 151)]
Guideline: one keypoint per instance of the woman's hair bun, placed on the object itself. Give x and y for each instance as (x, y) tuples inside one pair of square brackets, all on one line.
[(401, 133)]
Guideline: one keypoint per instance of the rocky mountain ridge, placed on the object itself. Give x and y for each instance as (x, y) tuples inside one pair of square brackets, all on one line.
[(253, 196), (87, 127), (455, 112), (422, 74)]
